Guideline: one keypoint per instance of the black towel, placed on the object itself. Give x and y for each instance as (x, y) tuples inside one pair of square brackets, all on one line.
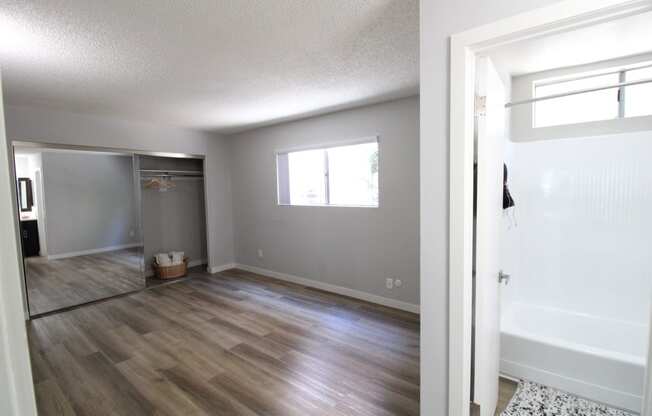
[(508, 201)]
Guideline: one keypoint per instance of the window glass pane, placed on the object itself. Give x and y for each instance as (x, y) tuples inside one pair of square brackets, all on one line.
[(638, 98), (580, 108), (306, 176), (353, 174)]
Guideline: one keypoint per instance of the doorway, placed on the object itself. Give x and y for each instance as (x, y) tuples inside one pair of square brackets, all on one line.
[(468, 53)]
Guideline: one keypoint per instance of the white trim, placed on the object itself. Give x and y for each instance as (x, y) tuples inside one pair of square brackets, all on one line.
[(221, 268), (16, 385), (340, 290), (576, 387), (328, 145), (92, 251), (45, 146), (328, 205), (325, 147), (558, 17)]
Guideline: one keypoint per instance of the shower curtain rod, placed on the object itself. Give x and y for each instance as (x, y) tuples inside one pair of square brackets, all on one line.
[(583, 91)]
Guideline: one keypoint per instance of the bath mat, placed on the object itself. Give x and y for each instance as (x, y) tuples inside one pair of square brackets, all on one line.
[(532, 399)]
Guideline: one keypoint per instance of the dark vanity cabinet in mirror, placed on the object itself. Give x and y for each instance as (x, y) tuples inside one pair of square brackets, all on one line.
[(29, 238)]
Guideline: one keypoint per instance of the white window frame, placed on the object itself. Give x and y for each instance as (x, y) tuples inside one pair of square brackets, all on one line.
[(326, 146), (621, 95)]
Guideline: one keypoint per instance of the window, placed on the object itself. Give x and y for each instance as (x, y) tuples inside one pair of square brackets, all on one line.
[(606, 104), (638, 98), (335, 176)]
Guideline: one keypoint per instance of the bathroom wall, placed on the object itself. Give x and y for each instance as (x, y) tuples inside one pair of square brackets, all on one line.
[(580, 235)]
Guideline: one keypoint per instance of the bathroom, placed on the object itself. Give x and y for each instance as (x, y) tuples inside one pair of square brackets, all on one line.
[(575, 233)]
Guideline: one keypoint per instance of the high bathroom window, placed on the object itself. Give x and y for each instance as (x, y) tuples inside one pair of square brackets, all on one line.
[(607, 104), (343, 175)]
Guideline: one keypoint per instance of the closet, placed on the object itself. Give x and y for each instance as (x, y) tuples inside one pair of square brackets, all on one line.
[(173, 208)]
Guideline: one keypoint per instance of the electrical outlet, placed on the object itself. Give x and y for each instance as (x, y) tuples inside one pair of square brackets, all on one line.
[(260, 253), (398, 282), (389, 283)]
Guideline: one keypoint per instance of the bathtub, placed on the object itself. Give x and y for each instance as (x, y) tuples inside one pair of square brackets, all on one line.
[(599, 359)]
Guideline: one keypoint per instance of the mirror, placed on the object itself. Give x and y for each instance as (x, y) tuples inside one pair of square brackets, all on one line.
[(25, 196), (79, 226)]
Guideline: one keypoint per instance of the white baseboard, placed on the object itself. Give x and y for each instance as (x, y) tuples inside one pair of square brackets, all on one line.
[(92, 251), (221, 268), (340, 290), (149, 272), (577, 387)]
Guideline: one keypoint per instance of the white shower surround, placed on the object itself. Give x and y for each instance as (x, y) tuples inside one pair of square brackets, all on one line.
[(575, 314)]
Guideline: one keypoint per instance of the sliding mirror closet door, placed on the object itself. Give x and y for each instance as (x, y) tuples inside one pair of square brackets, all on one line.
[(79, 224)]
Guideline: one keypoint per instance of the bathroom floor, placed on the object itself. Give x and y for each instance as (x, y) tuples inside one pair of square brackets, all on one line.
[(532, 399)]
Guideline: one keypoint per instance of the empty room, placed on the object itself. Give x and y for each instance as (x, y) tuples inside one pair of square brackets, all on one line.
[(325, 207), (216, 205)]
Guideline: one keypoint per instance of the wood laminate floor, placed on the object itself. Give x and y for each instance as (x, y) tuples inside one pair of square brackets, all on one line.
[(228, 344), (57, 284), (506, 391)]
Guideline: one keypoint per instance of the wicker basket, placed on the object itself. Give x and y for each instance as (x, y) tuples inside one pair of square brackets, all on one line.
[(171, 272)]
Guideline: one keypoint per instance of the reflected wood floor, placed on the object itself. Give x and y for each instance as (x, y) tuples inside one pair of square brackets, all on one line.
[(234, 343), (56, 284)]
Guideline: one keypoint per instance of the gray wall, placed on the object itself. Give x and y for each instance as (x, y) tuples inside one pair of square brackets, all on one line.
[(51, 126), (89, 201), (174, 220), (355, 248), (440, 20)]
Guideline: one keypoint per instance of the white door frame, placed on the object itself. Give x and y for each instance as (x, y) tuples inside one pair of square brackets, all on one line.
[(559, 17), (16, 385)]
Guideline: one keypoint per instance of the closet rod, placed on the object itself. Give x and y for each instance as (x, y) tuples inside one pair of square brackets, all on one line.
[(172, 172), (583, 91), (172, 176)]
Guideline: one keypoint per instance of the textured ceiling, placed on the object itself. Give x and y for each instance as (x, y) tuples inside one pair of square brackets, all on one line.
[(222, 65)]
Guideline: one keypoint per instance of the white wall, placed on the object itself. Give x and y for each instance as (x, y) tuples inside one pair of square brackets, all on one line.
[(439, 20), (50, 126), (584, 229), (16, 387), (355, 248)]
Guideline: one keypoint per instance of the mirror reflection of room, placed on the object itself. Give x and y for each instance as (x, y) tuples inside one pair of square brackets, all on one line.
[(79, 224)]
